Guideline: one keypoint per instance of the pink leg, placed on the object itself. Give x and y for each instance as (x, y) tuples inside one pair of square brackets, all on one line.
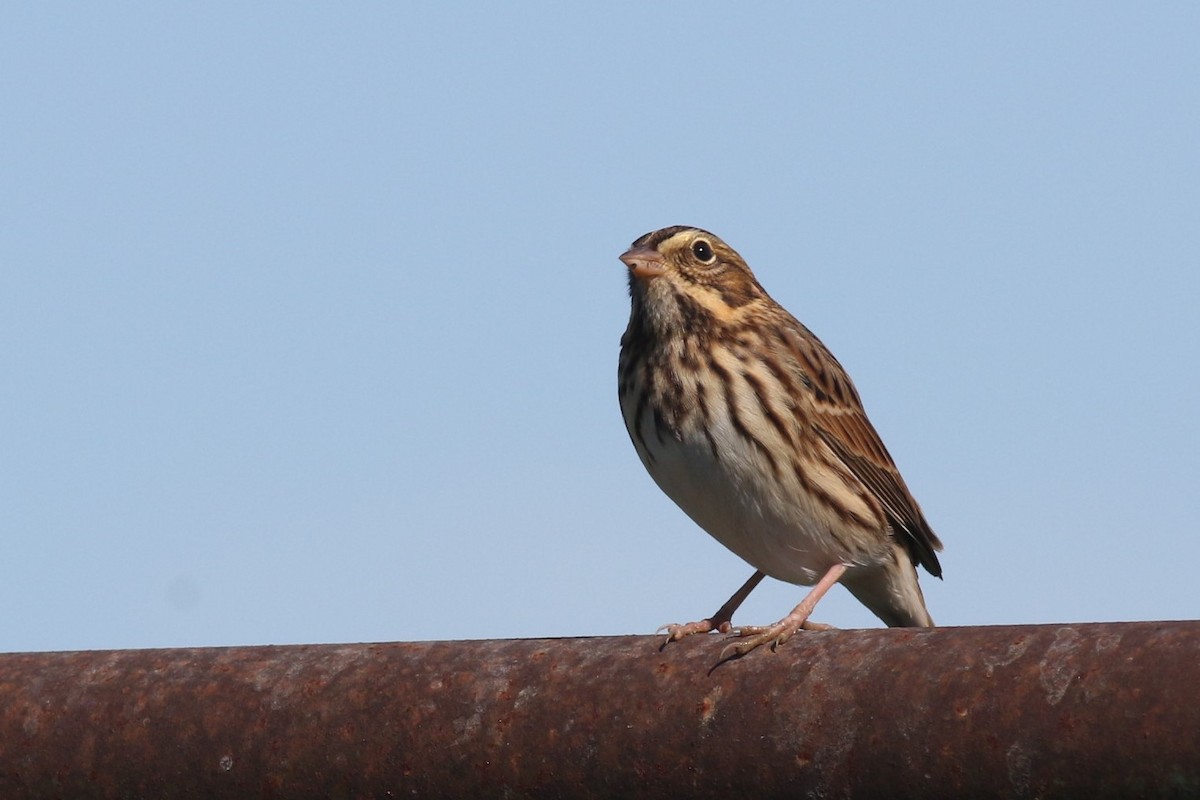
[(781, 631), (720, 621)]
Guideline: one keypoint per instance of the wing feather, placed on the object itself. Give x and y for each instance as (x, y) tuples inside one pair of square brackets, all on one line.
[(841, 422)]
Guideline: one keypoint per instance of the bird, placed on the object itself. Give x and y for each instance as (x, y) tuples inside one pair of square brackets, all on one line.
[(747, 421)]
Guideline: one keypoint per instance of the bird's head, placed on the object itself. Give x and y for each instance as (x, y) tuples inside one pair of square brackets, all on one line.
[(688, 270)]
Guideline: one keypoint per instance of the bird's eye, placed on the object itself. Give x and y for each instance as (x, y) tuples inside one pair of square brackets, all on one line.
[(703, 252)]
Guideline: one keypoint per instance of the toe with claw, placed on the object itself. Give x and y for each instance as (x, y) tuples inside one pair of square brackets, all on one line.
[(675, 631), (753, 636), (750, 637), (720, 621)]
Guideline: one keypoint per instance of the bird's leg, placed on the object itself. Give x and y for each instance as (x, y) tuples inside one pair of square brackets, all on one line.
[(754, 636), (719, 621)]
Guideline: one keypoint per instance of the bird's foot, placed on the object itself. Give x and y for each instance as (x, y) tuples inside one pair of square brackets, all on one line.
[(750, 637), (720, 621), (675, 631), (775, 635)]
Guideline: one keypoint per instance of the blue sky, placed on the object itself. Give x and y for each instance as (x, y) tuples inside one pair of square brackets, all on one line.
[(311, 313)]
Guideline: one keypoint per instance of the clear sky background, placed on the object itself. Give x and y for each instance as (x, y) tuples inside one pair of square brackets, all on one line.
[(310, 313)]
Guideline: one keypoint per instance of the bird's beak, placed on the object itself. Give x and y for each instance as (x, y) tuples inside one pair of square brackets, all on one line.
[(644, 262)]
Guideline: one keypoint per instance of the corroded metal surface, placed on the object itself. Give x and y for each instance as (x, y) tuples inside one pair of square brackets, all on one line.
[(1098, 710)]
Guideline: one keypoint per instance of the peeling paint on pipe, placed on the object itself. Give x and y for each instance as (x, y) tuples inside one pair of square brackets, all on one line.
[(1096, 710)]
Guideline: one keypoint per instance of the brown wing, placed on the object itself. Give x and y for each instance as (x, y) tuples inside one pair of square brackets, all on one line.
[(842, 424)]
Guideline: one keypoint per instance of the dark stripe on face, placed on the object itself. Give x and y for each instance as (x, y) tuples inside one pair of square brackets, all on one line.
[(696, 322), (738, 288)]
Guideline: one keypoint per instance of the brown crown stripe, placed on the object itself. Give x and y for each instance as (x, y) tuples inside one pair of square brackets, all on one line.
[(655, 238)]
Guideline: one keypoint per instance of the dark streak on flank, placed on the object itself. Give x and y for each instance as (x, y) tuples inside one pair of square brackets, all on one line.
[(706, 418), (858, 489), (671, 395), (786, 381), (639, 413), (827, 500), (759, 388), (789, 345), (660, 425), (735, 416)]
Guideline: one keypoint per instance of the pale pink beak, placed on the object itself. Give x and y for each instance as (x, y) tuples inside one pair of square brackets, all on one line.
[(644, 262)]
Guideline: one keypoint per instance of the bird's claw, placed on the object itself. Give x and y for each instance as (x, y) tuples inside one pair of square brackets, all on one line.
[(751, 637), (675, 631)]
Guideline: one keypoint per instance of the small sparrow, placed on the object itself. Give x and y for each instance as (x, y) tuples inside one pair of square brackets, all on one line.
[(745, 420)]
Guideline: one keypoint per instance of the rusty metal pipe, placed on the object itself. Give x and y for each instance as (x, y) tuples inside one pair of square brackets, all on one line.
[(1096, 710)]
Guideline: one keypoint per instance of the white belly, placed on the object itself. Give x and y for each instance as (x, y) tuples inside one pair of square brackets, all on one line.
[(737, 498)]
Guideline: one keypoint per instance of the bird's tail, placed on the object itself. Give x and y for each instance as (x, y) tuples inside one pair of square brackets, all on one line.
[(891, 591)]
